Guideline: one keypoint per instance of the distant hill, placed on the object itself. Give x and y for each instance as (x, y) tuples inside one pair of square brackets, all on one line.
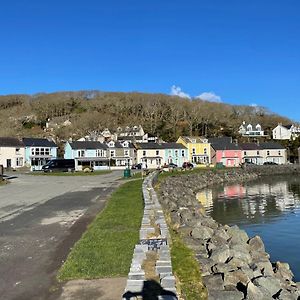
[(163, 115)]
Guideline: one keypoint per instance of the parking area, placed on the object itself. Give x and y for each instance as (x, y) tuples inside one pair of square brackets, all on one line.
[(40, 219)]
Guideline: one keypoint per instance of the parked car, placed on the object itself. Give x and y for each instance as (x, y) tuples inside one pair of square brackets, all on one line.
[(187, 165), (59, 165), (137, 166), (270, 163), (172, 166)]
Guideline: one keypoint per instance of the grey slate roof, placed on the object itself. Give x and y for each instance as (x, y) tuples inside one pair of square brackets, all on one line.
[(10, 142), (225, 146), (148, 146), (172, 146), (88, 145), (271, 145), (250, 146), (37, 142), (222, 140)]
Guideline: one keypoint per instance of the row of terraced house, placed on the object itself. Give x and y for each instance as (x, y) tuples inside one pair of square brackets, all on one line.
[(120, 154)]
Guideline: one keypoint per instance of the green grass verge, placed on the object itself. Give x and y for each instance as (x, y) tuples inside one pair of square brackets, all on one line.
[(187, 270), (106, 248), (80, 173)]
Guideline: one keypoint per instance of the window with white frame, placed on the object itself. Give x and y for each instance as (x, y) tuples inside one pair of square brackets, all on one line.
[(176, 152), (19, 161), (81, 153), (144, 152), (126, 152), (112, 153), (99, 152), (205, 151), (193, 151), (279, 152), (157, 152), (268, 152), (182, 153), (18, 151)]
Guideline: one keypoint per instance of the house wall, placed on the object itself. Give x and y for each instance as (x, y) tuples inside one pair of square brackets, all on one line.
[(69, 154), (175, 156), (41, 160), (199, 149), (229, 158), (152, 159), (252, 156), (281, 133), (278, 156), (10, 153)]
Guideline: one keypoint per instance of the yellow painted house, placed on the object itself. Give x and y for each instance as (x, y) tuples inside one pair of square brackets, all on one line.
[(198, 149)]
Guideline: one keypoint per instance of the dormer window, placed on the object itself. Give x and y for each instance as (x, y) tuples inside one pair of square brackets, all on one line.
[(249, 127)]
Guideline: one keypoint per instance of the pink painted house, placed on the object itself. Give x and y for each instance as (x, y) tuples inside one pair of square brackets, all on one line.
[(225, 152)]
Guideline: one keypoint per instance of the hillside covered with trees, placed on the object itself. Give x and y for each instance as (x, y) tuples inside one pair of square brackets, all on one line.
[(159, 114)]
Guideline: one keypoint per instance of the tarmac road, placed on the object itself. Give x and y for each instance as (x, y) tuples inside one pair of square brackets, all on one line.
[(41, 217)]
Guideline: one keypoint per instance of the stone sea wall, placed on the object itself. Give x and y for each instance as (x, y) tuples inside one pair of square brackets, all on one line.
[(234, 266)]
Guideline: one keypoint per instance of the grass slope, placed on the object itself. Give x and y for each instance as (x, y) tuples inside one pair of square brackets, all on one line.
[(105, 249)]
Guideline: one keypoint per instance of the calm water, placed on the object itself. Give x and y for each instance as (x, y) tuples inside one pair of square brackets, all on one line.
[(269, 208)]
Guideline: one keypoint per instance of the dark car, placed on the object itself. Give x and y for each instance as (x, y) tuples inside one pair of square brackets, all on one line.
[(172, 166), (187, 165), (59, 165), (270, 163), (137, 166)]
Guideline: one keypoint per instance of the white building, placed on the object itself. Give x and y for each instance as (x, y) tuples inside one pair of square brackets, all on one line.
[(12, 152), (287, 132), (250, 130)]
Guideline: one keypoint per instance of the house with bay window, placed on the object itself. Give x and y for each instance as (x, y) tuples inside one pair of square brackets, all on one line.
[(175, 153), (12, 152), (87, 154), (198, 149), (274, 152), (121, 154), (224, 151), (252, 153), (38, 152), (150, 154)]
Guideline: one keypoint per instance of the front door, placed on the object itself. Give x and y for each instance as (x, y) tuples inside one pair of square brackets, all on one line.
[(8, 163)]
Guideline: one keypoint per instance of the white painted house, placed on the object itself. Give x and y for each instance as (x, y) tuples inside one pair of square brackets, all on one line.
[(12, 152), (285, 132), (250, 130)]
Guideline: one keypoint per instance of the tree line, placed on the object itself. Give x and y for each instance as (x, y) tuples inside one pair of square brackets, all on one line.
[(159, 114)]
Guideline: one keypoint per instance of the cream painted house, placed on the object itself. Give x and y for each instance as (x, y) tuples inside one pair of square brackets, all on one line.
[(12, 152), (274, 152), (150, 154)]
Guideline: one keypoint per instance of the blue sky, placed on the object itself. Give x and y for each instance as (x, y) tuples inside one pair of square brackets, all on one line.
[(245, 52)]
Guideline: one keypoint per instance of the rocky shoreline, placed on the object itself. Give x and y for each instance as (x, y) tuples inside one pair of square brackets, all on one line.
[(233, 265)]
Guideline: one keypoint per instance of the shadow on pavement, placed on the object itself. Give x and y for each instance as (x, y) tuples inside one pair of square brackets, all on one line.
[(152, 290)]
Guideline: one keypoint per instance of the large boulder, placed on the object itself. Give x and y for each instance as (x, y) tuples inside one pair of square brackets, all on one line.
[(256, 244), (271, 284), (235, 277), (221, 254), (225, 295), (255, 293), (237, 235), (202, 232), (283, 270), (213, 282), (241, 251)]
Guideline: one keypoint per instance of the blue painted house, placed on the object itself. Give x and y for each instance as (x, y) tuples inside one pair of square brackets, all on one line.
[(91, 154), (175, 153), (38, 152)]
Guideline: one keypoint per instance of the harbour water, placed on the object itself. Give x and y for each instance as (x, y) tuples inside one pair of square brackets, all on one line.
[(268, 207)]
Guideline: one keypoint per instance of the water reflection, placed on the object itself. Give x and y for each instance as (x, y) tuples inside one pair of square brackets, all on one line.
[(268, 207), (254, 200)]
